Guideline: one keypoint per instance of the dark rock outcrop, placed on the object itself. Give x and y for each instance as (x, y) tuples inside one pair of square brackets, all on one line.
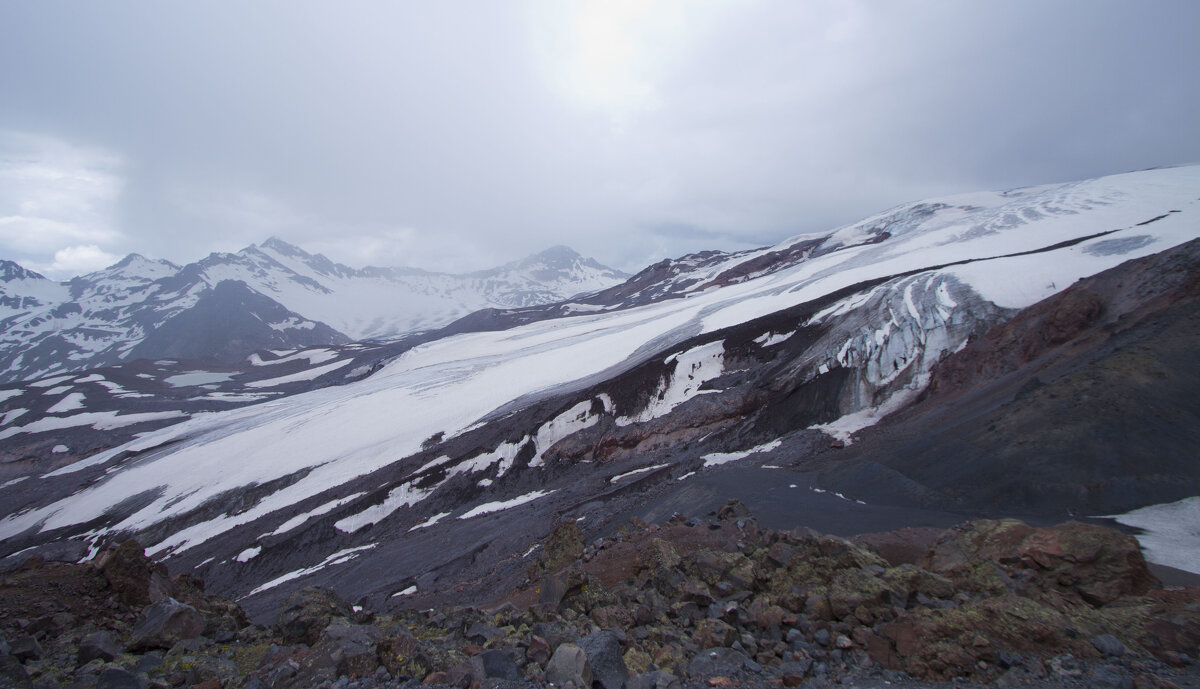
[(163, 624), (305, 614)]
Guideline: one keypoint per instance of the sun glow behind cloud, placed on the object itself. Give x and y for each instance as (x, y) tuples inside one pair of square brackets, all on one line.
[(611, 54)]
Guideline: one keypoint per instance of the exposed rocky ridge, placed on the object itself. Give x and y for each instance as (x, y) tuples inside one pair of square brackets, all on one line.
[(720, 602)]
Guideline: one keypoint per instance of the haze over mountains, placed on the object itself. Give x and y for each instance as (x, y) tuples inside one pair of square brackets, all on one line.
[(436, 460), (268, 296)]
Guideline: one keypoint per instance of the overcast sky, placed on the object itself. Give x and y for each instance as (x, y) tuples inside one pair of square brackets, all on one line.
[(460, 135)]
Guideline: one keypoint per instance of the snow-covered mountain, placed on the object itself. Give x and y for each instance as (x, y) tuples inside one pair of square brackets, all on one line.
[(269, 296), (454, 457)]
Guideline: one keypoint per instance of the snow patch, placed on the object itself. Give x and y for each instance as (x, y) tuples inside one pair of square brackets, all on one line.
[(1171, 532), (59, 449), (771, 339), (50, 382), (718, 458), (693, 368), (340, 557), (248, 554), (11, 415), (635, 472), (403, 495), (431, 521), (196, 378), (71, 402), (308, 374), (99, 420), (314, 512), (489, 507), (844, 427)]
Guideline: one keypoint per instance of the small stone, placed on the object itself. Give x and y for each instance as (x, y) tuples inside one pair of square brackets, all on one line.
[(793, 673), (716, 661), (822, 637), (1109, 645), (843, 642)]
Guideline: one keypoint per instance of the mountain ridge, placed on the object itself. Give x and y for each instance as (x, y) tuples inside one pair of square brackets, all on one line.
[(100, 318)]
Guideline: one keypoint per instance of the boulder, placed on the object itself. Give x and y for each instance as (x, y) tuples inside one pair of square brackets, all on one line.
[(792, 673), (713, 662), (12, 673), (25, 648), (163, 624), (603, 651), (654, 680), (305, 614), (401, 654), (120, 678), (569, 664), (495, 665), (1086, 562), (351, 649), (563, 546), (97, 645), (710, 633), (129, 572), (538, 651)]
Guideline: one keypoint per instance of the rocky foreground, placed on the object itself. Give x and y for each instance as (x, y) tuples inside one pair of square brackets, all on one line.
[(685, 603)]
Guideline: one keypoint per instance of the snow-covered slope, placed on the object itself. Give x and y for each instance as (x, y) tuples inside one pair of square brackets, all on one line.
[(486, 421), (107, 316)]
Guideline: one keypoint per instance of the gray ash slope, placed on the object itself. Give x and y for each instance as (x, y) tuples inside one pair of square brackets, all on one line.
[(435, 476), (268, 296)]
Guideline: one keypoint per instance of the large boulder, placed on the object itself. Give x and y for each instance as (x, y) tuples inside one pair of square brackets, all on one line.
[(603, 651), (562, 547), (97, 645), (569, 664), (495, 664), (1086, 562), (305, 614), (164, 623), (349, 650), (12, 673), (136, 580)]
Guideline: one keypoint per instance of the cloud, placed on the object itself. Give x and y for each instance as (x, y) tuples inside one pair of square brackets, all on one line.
[(76, 260), (56, 197), (446, 135)]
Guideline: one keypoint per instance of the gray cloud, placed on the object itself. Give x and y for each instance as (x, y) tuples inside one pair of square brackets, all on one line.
[(448, 135)]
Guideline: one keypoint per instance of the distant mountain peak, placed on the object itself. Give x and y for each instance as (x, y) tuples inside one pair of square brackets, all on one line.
[(14, 271), (277, 244)]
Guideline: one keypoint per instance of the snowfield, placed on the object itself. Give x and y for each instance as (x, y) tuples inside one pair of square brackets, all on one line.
[(331, 436)]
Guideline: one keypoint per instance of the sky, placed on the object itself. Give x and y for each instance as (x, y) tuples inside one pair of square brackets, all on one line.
[(461, 135)]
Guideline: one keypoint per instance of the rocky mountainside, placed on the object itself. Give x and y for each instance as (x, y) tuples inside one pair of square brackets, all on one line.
[(432, 476), (269, 296), (720, 602)]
